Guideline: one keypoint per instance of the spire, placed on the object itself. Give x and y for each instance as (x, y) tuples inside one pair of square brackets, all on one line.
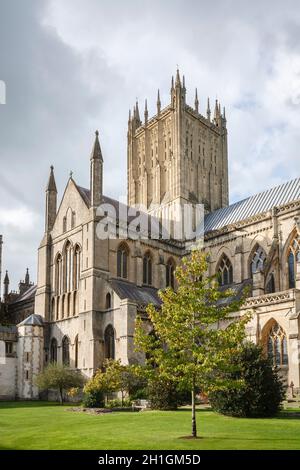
[(27, 278), (51, 186), (178, 82), (129, 116), (51, 201), (183, 81), (158, 102), (196, 102), (146, 112), (96, 173), (208, 112), (6, 285), (96, 151), (172, 84), (137, 113), (224, 115), (216, 111)]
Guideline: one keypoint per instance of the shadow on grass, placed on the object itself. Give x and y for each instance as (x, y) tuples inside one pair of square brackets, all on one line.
[(30, 404)]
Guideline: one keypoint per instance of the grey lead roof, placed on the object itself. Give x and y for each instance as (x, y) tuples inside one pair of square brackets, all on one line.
[(141, 295), (257, 204), (32, 320)]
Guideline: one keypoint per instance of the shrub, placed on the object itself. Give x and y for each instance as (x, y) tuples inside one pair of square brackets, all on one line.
[(116, 403), (93, 399), (261, 391), (164, 394), (59, 377)]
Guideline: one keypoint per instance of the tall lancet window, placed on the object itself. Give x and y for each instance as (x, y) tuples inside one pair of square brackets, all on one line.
[(170, 274), (293, 257), (225, 271), (68, 268), (76, 267), (147, 269), (58, 274), (122, 261)]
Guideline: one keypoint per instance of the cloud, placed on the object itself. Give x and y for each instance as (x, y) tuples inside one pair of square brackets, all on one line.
[(73, 66)]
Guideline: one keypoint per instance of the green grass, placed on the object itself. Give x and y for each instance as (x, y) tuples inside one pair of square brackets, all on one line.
[(38, 425)]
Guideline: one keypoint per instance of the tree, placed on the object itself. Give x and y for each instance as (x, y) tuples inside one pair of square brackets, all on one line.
[(261, 392), (59, 377), (115, 377), (195, 330)]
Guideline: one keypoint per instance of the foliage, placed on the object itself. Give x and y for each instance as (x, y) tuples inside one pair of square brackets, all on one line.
[(116, 403), (115, 377), (261, 392), (73, 392), (165, 394), (93, 399), (59, 377), (195, 331)]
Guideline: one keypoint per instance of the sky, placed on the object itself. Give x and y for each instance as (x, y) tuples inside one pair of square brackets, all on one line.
[(73, 66)]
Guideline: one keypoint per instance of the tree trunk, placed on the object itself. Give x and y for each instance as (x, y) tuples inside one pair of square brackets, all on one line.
[(194, 425)]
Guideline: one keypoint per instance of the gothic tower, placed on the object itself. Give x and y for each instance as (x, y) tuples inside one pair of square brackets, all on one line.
[(179, 155)]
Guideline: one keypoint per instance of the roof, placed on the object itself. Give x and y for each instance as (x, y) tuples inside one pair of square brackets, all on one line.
[(141, 295), (28, 294), (8, 329), (253, 205), (33, 320)]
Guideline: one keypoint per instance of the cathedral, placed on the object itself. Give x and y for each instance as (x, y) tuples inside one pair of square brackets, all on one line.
[(90, 287)]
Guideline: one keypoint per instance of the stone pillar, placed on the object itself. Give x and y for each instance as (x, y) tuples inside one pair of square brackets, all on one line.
[(30, 351), (258, 284)]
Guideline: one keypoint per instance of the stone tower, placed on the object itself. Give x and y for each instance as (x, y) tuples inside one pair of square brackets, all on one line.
[(96, 173), (178, 156), (51, 201)]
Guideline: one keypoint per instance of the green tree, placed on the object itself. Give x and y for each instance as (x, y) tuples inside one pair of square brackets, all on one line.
[(195, 330), (115, 377), (59, 377), (262, 391)]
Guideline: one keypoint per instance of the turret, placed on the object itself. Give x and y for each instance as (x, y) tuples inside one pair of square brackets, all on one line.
[(146, 113), (208, 111), (158, 103), (51, 201), (96, 173), (196, 102)]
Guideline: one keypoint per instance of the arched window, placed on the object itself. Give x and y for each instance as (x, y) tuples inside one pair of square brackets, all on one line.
[(68, 304), (170, 274), (76, 351), (53, 304), (66, 351), (270, 284), (58, 274), (68, 268), (225, 271), (147, 269), (293, 257), (109, 343), (108, 301), (258, 260), (277, 345), (53, 350), (76, 267), (122, 261)]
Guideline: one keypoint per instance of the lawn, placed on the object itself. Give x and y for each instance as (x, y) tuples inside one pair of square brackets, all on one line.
[(38, 425)]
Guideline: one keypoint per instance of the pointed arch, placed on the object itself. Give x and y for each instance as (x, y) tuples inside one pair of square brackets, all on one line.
[(58, 274), (76, 266), (147, 268), (293, 256), (108, 303), (122, 260), (257, 259), (170, 273), (53, 350), (109, 342), (68, 267), (274, 341), (225, 270), (65, 350)]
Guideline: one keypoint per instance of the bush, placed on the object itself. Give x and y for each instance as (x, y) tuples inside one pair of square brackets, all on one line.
[(59, 377), (93, 399), (126, 403), (261, 391), (164, 394)]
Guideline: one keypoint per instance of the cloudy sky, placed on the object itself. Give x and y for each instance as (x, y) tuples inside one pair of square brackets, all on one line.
[(72, 66)]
